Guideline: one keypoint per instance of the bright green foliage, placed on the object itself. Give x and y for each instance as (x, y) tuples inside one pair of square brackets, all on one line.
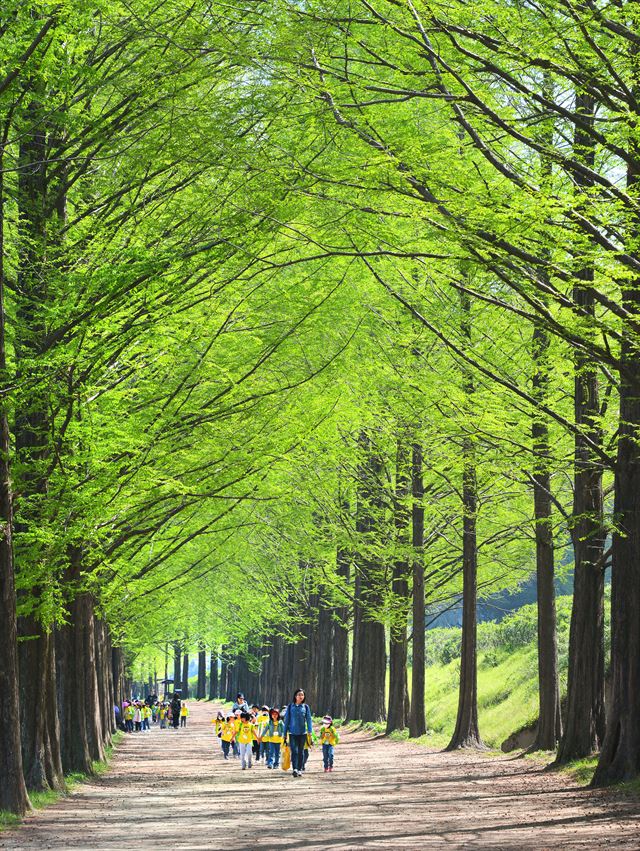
[(257, 225)]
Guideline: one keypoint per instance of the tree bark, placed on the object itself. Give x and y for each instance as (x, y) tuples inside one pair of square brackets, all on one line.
[(224, 672), (86, 627), (369, 660), (549, 727), (202, 675), (467, 733), (620, 755), (78, 688), (117, 667), (185, 676), (231, 689), (32, 445), (324, 658), (340, 646), (13, 792), (213, 675), (40, 752), (417, 720), (177, 656), (72, 692), (585, 715), (397, 715)]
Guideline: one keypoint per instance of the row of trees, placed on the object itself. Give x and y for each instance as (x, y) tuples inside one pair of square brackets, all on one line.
[(313, 323)]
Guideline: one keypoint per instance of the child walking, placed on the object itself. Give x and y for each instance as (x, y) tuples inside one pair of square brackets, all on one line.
[(329, 738), (274, 736), (129, 712), (261, 723), (245, 737), (227, 734), (237, 721), (184, 714)]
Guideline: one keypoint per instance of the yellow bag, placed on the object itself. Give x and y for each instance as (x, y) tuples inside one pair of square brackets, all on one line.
[(309, 741), (285, 762)]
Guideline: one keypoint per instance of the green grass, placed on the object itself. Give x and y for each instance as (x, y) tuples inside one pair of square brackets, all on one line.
[(507, 698), (8, 819), (507, 695), (581, 769)]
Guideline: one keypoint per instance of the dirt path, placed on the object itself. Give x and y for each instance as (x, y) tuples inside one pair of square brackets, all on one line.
[(172, 790)]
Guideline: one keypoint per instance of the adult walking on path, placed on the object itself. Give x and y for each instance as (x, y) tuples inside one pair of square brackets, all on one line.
[(297, 726), (176, 706), (240, 704)]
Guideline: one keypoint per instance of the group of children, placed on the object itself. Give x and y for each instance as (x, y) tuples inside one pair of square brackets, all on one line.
[(138, 715), (258, 734), (168, 713)]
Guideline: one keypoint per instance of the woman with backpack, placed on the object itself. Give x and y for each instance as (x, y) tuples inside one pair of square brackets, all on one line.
[(297, 726)]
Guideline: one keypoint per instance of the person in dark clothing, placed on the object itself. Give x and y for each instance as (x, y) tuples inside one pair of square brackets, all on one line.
[(176, 705), (297, 724)]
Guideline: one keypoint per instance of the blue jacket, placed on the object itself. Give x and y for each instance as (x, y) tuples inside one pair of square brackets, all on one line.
[(297, 719)]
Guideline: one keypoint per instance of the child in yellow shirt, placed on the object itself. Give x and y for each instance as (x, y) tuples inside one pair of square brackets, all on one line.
[(236, 722), (227, 734), (245, 738), (329, 738), (275, 736), (261, 722)]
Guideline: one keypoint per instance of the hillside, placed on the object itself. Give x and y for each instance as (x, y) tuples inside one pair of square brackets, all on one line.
[(507, 673)]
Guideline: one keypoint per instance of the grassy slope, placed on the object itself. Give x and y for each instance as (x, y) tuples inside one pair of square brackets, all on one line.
[(507, 694)]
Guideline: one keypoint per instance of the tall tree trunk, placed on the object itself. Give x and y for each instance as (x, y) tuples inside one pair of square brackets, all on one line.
[(467, 733), (549, 727), (32, 428), (324, 657), (224, 672), (340, 646), (13, 792), (417, 720), (301, 656), (117, 666), (185, 676), (620, 755), (78, 695), (40, 752), (369, 660), (55, 773), (309, 671), (202, 675), (213, 675), (231, 690), (177, 658), (251, 676), (105, 682), (73, 682), (585, 715), (397, 711), (279, 694), (288, 669)]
